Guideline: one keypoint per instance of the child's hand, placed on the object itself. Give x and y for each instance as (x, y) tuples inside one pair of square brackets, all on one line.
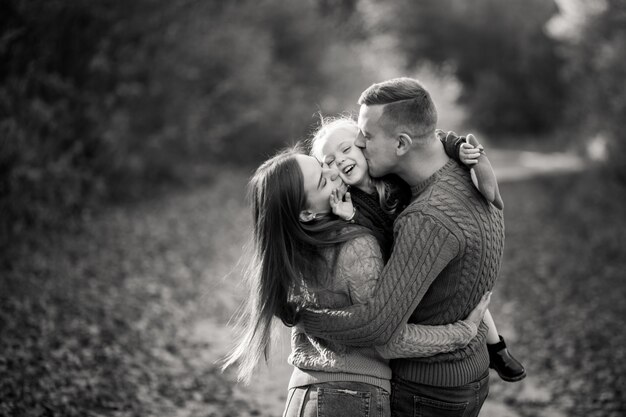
[(468, 154), (476, 316), (341, 208)]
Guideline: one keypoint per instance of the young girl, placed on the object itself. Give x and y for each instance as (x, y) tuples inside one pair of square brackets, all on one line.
[(375, 203), (306, 256)]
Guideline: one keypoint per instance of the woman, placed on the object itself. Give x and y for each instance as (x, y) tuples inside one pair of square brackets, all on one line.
[(305, 256)]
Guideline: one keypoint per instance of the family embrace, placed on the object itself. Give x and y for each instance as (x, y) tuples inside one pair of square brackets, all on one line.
[(376, 246)]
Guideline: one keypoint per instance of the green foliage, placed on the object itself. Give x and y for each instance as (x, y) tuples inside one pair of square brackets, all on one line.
[(499, 52)]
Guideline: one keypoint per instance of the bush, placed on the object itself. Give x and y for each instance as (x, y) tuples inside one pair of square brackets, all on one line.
[(593, 36), (48, 108), (105, 100)]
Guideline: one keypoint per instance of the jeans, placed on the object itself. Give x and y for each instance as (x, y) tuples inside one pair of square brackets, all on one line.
[(337, 399), (410, 399)]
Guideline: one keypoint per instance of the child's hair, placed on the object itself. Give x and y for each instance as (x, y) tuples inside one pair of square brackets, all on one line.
[(286, 253), (387, 191)]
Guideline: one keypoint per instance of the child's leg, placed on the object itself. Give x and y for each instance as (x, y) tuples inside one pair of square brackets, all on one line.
[(492, 335), (500, 359)]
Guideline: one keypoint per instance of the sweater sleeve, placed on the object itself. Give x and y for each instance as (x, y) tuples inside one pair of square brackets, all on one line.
[(418, 341), (452, 144), (423, 248), (359, 266)]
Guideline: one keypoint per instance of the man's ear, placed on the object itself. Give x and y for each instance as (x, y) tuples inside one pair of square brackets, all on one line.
[(306, 216), (404, 144)]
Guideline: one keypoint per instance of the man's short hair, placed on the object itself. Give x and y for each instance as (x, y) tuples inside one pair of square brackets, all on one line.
[(407, 105)]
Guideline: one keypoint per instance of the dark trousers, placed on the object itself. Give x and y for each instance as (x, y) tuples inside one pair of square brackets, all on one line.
[(409, 399)]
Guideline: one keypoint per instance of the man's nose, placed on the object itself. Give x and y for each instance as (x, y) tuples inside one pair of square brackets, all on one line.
[(359, 141)]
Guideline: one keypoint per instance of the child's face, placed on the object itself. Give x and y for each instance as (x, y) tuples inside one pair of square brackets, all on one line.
[(340, 152)]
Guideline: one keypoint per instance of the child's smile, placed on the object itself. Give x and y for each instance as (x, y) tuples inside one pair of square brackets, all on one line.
[(340, 150)]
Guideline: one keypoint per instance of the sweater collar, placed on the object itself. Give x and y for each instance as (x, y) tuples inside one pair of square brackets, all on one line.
[(418, 188)]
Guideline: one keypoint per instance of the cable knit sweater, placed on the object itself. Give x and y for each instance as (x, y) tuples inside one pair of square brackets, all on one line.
[(447, 253), (357, 266), (368, 211)]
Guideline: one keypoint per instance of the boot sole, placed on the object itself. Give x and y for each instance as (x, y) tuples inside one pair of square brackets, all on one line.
[(512, 379)]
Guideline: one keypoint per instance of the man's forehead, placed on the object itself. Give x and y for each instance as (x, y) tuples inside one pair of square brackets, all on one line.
[(369, 115)]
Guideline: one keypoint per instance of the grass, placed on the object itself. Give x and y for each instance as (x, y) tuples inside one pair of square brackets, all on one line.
[(100, 320)]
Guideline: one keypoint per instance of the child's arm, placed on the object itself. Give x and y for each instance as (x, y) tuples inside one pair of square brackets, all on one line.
[(468, 151)]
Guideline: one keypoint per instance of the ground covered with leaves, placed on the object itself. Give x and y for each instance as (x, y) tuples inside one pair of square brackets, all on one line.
[(126, 313)]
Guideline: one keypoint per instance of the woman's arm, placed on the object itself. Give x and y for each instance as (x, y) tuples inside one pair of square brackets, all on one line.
[(359, 265), (423, 248), (418, 341)]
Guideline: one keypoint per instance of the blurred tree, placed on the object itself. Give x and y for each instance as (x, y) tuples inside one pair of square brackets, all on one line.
[(49, 104), (499, 52), (593, 36), (105, 99)]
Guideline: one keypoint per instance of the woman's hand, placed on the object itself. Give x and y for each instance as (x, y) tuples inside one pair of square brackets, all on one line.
[(468, 154), (476, 316), (341, 208)]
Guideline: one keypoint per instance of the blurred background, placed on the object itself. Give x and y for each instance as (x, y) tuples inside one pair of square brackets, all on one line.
[(128, 131)]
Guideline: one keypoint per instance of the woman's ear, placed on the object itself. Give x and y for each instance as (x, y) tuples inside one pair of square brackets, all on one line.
[(404, 144), (306, 216)]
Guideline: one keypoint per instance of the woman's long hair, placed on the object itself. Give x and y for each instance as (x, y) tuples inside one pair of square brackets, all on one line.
[(285, 251), (387, 190)]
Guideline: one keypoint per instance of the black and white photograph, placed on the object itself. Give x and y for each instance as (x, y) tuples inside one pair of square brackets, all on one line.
[(312, 208)]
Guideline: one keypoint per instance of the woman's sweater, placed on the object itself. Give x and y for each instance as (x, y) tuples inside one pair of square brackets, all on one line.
[(356, 267)]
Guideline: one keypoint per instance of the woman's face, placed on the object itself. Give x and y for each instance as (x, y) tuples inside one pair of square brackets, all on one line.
[(340, 152), (319, 182)]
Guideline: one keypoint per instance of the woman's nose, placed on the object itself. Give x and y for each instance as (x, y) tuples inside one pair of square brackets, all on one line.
[(331, 173)]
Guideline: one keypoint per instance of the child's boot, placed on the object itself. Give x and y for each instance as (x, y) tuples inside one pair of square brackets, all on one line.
[(507, 367)]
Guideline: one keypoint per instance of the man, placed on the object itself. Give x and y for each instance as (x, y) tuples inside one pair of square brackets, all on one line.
[(447, 252)]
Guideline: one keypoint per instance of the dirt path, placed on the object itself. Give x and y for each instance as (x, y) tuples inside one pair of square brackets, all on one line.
[(513, 165)]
